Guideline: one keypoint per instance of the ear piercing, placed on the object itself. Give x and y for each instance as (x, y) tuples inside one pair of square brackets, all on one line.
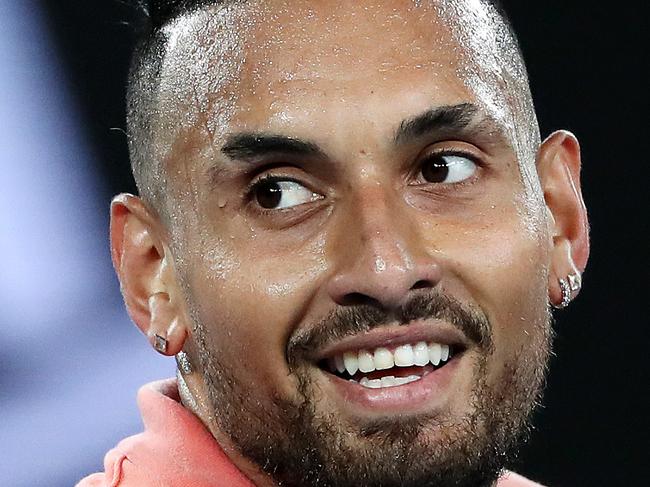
[(570, 288), (183, 362), (160, 343)]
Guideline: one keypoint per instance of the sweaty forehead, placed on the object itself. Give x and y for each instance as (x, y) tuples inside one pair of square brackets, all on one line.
[(254, 64), (323, 40), (312, 50)]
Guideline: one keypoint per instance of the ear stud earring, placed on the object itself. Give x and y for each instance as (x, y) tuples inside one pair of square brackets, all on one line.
[(160, 343), (569, 288)]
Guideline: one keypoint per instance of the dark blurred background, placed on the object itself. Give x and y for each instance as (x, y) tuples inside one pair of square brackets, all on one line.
[(71, 366)]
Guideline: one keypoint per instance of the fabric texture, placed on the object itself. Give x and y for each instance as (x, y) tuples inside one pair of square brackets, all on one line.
[(176, 450)]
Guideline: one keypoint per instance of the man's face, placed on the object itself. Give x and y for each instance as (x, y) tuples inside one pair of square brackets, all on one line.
[(349, 192)]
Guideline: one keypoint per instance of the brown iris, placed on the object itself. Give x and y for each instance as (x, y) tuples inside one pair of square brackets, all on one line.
[(435, 169), (268, 194)]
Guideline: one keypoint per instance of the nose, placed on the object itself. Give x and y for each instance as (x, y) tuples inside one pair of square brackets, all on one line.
[(382, 258)]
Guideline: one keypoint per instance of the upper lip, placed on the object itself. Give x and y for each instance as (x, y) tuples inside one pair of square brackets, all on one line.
[(395, 335)]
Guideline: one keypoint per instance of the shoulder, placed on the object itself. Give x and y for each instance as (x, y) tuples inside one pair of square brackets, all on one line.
[(511, 479), (114, 471), (94, 480)]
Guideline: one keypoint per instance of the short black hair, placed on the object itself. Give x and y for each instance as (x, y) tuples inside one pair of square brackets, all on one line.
[(160, 12), (144, 79)]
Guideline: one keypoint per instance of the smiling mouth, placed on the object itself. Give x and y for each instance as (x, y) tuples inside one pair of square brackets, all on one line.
[(385, 367)]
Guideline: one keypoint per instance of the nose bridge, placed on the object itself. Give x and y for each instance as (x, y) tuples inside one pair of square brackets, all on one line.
[(384, 231), (384, 256)]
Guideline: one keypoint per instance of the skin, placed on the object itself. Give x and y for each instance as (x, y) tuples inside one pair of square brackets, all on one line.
[(219, 276)]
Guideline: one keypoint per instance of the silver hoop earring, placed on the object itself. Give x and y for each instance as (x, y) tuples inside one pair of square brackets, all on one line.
[(575, 282), (566, 294), (569, 287), (183, 362)]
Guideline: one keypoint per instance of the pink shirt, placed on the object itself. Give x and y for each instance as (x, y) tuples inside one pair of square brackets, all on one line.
[(175, 449)]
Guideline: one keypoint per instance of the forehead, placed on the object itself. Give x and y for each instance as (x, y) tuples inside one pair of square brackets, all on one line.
[(317, 40), (319, 56), (289, 64)]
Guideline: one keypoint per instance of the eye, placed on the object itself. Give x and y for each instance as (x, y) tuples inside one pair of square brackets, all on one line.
[(277, 194), (448, 168)]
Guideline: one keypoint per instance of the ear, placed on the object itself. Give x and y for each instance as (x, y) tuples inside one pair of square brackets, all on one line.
[(145, 268), (558, 166)]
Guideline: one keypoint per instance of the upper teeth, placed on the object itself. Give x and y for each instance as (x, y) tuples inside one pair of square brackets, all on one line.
[(382, 359)]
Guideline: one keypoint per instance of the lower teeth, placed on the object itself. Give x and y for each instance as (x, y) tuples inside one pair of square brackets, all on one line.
[(389, 381)]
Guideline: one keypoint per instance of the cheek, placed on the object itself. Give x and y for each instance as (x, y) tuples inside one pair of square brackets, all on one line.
[(506, 275), (498, 263), (506, 267), (249, 297)]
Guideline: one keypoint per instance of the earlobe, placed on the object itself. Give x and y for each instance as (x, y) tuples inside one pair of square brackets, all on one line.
[(565, 279), (165, 332), (146, 274), (559, 172)]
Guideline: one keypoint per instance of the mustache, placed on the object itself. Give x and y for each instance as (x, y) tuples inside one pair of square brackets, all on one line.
[(352, 320)]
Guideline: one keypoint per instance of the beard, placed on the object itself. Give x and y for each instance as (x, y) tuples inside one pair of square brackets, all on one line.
[(299, 444)]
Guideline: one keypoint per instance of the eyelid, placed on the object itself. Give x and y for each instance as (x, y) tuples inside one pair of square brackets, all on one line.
[(429, 154), (270, 177), (453, 151), (453, 148)]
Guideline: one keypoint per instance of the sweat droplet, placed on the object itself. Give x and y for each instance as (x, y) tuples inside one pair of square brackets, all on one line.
[(222, 202)]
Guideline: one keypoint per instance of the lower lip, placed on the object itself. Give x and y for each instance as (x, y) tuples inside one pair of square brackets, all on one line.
[(426, 394)]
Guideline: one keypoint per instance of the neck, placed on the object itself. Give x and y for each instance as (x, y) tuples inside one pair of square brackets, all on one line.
[(194, 398)]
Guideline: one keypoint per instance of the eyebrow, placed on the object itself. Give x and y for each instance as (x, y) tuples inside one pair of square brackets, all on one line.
[(449, 118), (249, 145), (454, 118)]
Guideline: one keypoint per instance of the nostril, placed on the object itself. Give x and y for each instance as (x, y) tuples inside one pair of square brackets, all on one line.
[(361, 285), (423, 284), (357, 299)]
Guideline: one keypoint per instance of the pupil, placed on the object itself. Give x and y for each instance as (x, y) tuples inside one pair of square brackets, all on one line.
[(269, 195), (436, 171)]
